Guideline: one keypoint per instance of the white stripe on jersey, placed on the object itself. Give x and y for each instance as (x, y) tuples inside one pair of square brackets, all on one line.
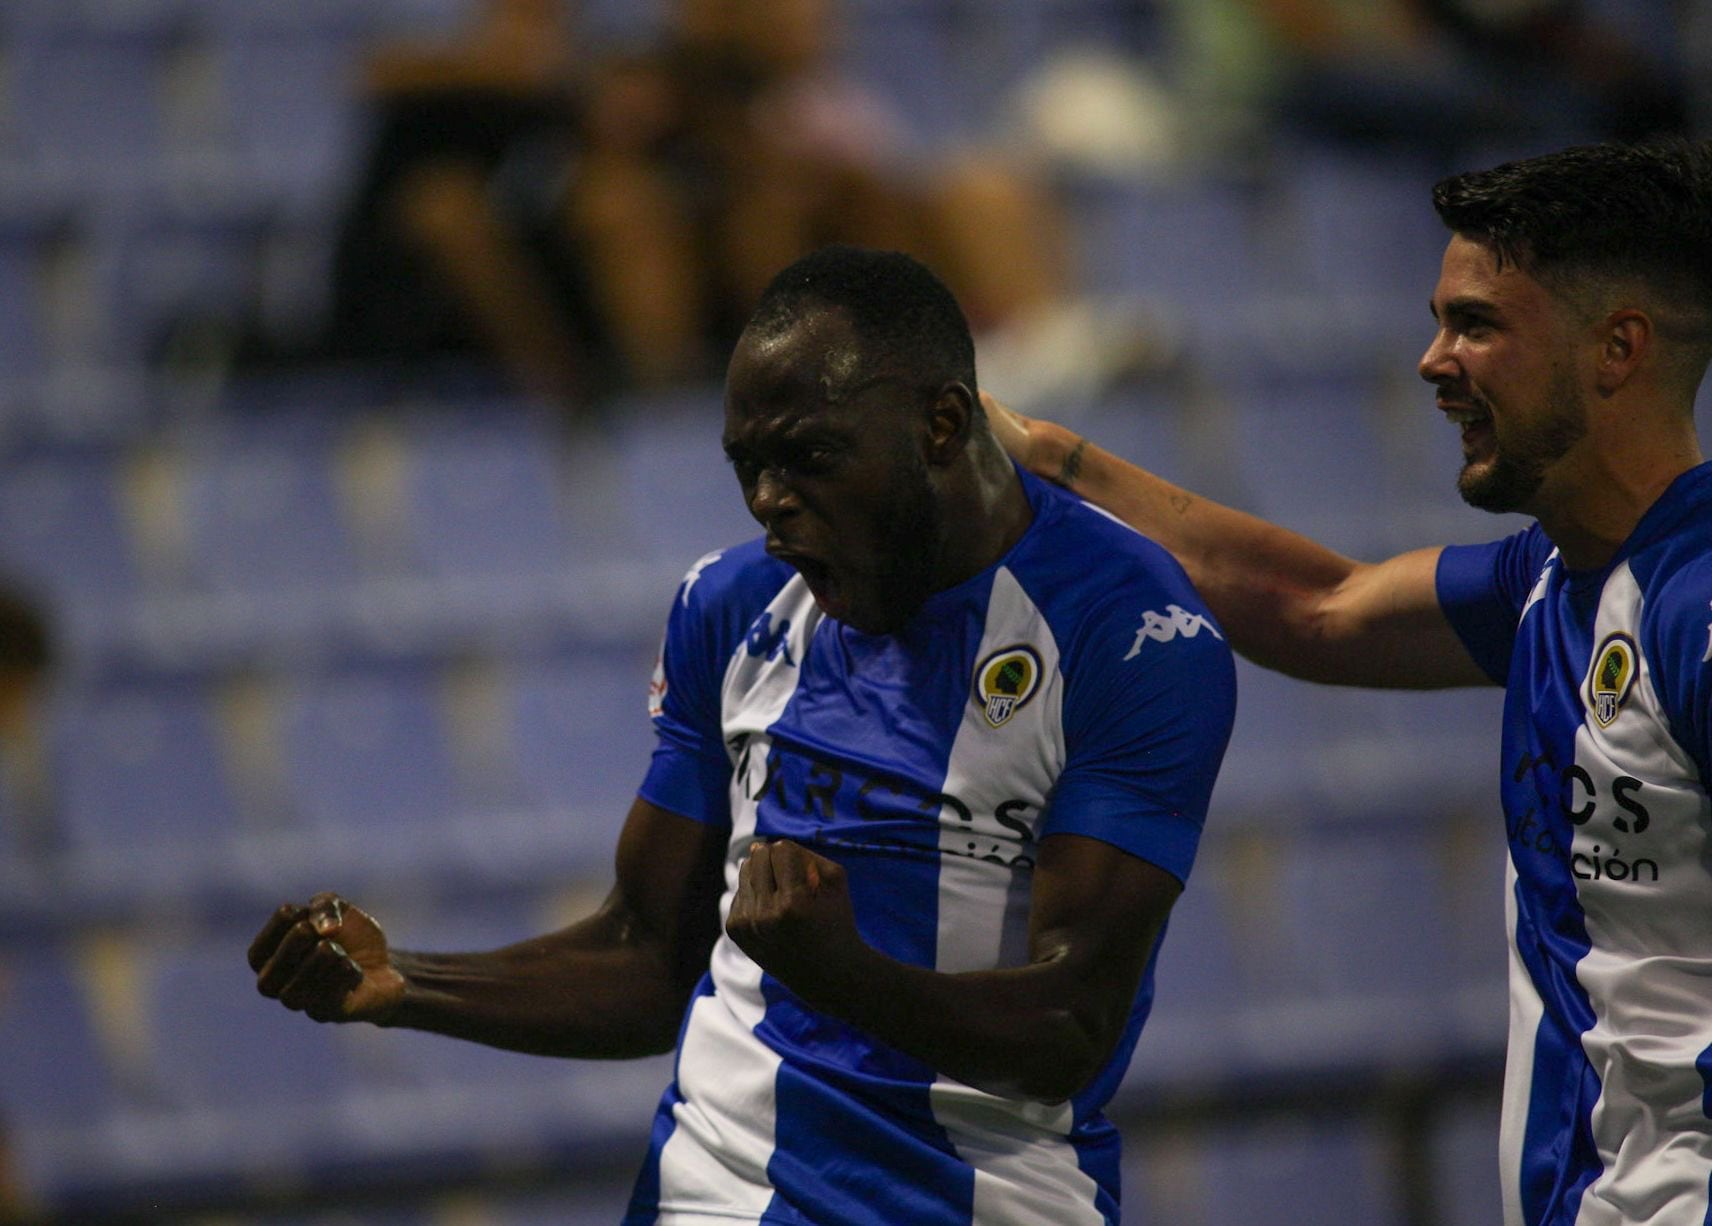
[(1526, 1010), (726, 1123), (983, 914), (1025, 1171), (1646, 973)]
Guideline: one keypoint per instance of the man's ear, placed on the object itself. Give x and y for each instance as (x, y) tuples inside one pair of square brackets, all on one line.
[(1626, 342), (949, 422)]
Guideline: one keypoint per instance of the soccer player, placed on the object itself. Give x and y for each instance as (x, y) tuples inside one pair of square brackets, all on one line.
[(934, 757), (1574, 324)]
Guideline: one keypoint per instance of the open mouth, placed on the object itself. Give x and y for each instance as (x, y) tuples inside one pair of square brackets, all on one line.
[(822, 580), (1474, 421)]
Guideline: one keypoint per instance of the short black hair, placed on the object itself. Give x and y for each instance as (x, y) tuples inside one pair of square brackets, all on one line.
[(904, 315), (1609, 211)]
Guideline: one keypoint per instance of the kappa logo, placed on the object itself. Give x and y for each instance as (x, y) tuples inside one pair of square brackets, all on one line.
[(694, 577), (1005, 681), (1707, 658), (766, 639), (1612, 677), (1163, 627)]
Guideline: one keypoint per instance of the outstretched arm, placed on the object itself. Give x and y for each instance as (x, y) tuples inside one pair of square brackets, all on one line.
[(1286, 602), (613, 985), (1037, 1031)]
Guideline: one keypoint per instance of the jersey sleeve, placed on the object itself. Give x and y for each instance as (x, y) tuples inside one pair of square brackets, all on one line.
[(1681, 660), (1150, 695), (1483, 590), (689, 773)]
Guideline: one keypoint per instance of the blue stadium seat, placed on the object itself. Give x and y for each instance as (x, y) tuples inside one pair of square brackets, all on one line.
[(582, 734), (678, 489), (63, 528), (289, 85), (905, 53), (1198, 989), (1362, 228), (1292, 1172), (1276, 764), (266, 517), (24, 343), (55, 1074), (87, 100), (217, 1043), (1464, 1182), (1310, 456), (1191, 247), (1365, 939), (369, 763), (593, 1202), (484, 497), (142, 785)]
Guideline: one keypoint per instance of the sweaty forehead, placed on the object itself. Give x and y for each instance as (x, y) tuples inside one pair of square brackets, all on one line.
[(815, 359)]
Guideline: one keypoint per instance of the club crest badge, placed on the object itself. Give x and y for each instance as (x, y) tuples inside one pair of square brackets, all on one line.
[(1613, 676), (1005, 681)]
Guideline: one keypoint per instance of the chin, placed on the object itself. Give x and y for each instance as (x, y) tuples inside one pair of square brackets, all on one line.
[(1496, 488)]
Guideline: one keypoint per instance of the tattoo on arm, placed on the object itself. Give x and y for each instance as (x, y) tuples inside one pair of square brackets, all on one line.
[(1072, 466), (1181, 503)]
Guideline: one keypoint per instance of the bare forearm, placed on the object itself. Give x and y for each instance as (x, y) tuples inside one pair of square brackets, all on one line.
[(1286, 602), (1010, 1032), (578, 993), (1261, 581)]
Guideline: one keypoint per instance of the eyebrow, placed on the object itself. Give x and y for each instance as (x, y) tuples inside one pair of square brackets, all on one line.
[(1465, 305)]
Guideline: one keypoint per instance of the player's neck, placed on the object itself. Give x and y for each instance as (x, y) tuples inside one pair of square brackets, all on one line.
[(1593, 509)]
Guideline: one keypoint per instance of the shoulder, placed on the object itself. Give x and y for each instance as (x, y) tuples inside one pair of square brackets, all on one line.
[(1676, 591), (741, 576), (1082, 565)]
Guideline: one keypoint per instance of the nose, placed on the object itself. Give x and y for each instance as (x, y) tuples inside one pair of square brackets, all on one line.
[(772, 496), (1438, 364)]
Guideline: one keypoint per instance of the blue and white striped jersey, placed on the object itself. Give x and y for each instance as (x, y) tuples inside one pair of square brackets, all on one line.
[(1607, 758), (1076, 686)]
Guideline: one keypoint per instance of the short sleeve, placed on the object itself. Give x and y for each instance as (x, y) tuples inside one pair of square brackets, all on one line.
[(1680, 656), (689, 773), (1483, 590), (1150, 696)]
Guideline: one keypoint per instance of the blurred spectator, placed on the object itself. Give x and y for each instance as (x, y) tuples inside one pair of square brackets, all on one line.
[(1437, 74), (599, 222), (449, 244), (26, 658)]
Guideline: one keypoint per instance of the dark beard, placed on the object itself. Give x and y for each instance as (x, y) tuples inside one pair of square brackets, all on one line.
[(1516, 471), (913, 536)]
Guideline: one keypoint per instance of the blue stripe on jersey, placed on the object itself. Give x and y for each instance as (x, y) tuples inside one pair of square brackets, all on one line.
[(824, 1175), (1703, 1065), (892, 704)]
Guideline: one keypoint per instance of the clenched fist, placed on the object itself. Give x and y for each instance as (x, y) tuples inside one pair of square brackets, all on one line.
[(792, 915), (328, 960)]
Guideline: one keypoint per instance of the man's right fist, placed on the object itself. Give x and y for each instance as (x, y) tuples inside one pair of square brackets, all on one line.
[(329, 960)]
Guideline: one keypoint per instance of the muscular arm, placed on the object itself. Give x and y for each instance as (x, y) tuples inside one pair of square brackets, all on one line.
[(613, 985), (1037, 1031), (1286, 602)]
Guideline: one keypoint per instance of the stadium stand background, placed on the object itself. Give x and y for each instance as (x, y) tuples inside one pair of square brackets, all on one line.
[(338, 629)]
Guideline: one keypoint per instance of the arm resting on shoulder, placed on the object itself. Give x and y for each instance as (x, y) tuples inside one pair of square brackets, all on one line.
[(1286, 602)]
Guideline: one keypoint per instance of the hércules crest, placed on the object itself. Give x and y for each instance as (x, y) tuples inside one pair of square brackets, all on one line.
[(1612, 677), (1005, 681)]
